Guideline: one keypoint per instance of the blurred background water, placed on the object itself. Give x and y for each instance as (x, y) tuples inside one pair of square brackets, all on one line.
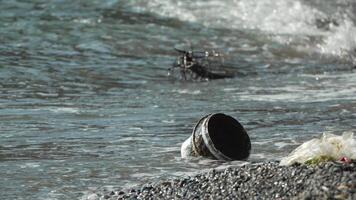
[(86, 103)]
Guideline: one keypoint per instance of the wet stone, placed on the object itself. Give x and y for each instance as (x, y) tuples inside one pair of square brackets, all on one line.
[(261, 181)]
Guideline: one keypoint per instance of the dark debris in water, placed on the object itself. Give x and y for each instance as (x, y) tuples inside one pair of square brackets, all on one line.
[(200, 65), (255, 181)]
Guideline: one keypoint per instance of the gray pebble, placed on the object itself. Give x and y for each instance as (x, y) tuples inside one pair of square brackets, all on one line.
[(256, 181)]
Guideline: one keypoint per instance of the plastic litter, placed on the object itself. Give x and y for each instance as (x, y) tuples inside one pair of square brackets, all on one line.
[(345, 160), (218, 136), (329, 147)]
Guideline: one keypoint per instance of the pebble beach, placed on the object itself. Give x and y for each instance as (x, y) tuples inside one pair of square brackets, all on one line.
[(95, 105), (267, 180)]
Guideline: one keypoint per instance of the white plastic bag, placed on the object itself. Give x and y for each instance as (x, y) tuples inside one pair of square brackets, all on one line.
[(329, 146)]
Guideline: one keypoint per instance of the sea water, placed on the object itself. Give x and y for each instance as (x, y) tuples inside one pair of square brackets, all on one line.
[(86, 103)]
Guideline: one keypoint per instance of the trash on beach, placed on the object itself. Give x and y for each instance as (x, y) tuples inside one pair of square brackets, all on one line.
[(329, 147), (218, 136), (200, 64)]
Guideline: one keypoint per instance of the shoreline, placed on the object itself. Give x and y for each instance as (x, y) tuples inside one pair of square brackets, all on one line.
[(266, 180)]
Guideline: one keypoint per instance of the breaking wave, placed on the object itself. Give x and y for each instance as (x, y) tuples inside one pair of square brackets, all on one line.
[(312, 28)]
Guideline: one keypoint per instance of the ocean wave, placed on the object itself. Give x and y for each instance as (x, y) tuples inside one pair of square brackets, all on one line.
[(334, 30), (341, 41)]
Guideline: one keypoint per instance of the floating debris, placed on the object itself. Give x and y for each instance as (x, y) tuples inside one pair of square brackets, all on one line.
[(200, 64), (329, 147), (218, 136)]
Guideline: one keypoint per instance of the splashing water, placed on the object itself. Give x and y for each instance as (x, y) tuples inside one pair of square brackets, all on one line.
[(86, 103), (341, 41), (287, 21)]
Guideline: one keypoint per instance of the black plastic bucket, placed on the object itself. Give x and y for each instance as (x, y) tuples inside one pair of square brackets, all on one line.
[(218, 136)]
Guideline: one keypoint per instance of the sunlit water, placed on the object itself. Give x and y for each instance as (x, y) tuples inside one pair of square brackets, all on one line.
[(86, 103)]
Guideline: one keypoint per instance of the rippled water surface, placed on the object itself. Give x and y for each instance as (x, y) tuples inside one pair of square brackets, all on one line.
[(86, 103)]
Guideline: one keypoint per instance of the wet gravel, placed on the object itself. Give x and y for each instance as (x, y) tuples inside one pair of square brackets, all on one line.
[(254, 181)]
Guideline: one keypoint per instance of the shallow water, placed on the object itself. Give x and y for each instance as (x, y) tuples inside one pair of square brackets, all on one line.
[(86, 103)]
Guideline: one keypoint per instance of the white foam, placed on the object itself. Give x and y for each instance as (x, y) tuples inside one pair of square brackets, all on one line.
[(46, 95), (186, 91), (280, 145), (306, 96), (332, 87), (142, 175), (30, 165), (136, 129), (169, 121), (341, 41), (275, 17), (64, 110)]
